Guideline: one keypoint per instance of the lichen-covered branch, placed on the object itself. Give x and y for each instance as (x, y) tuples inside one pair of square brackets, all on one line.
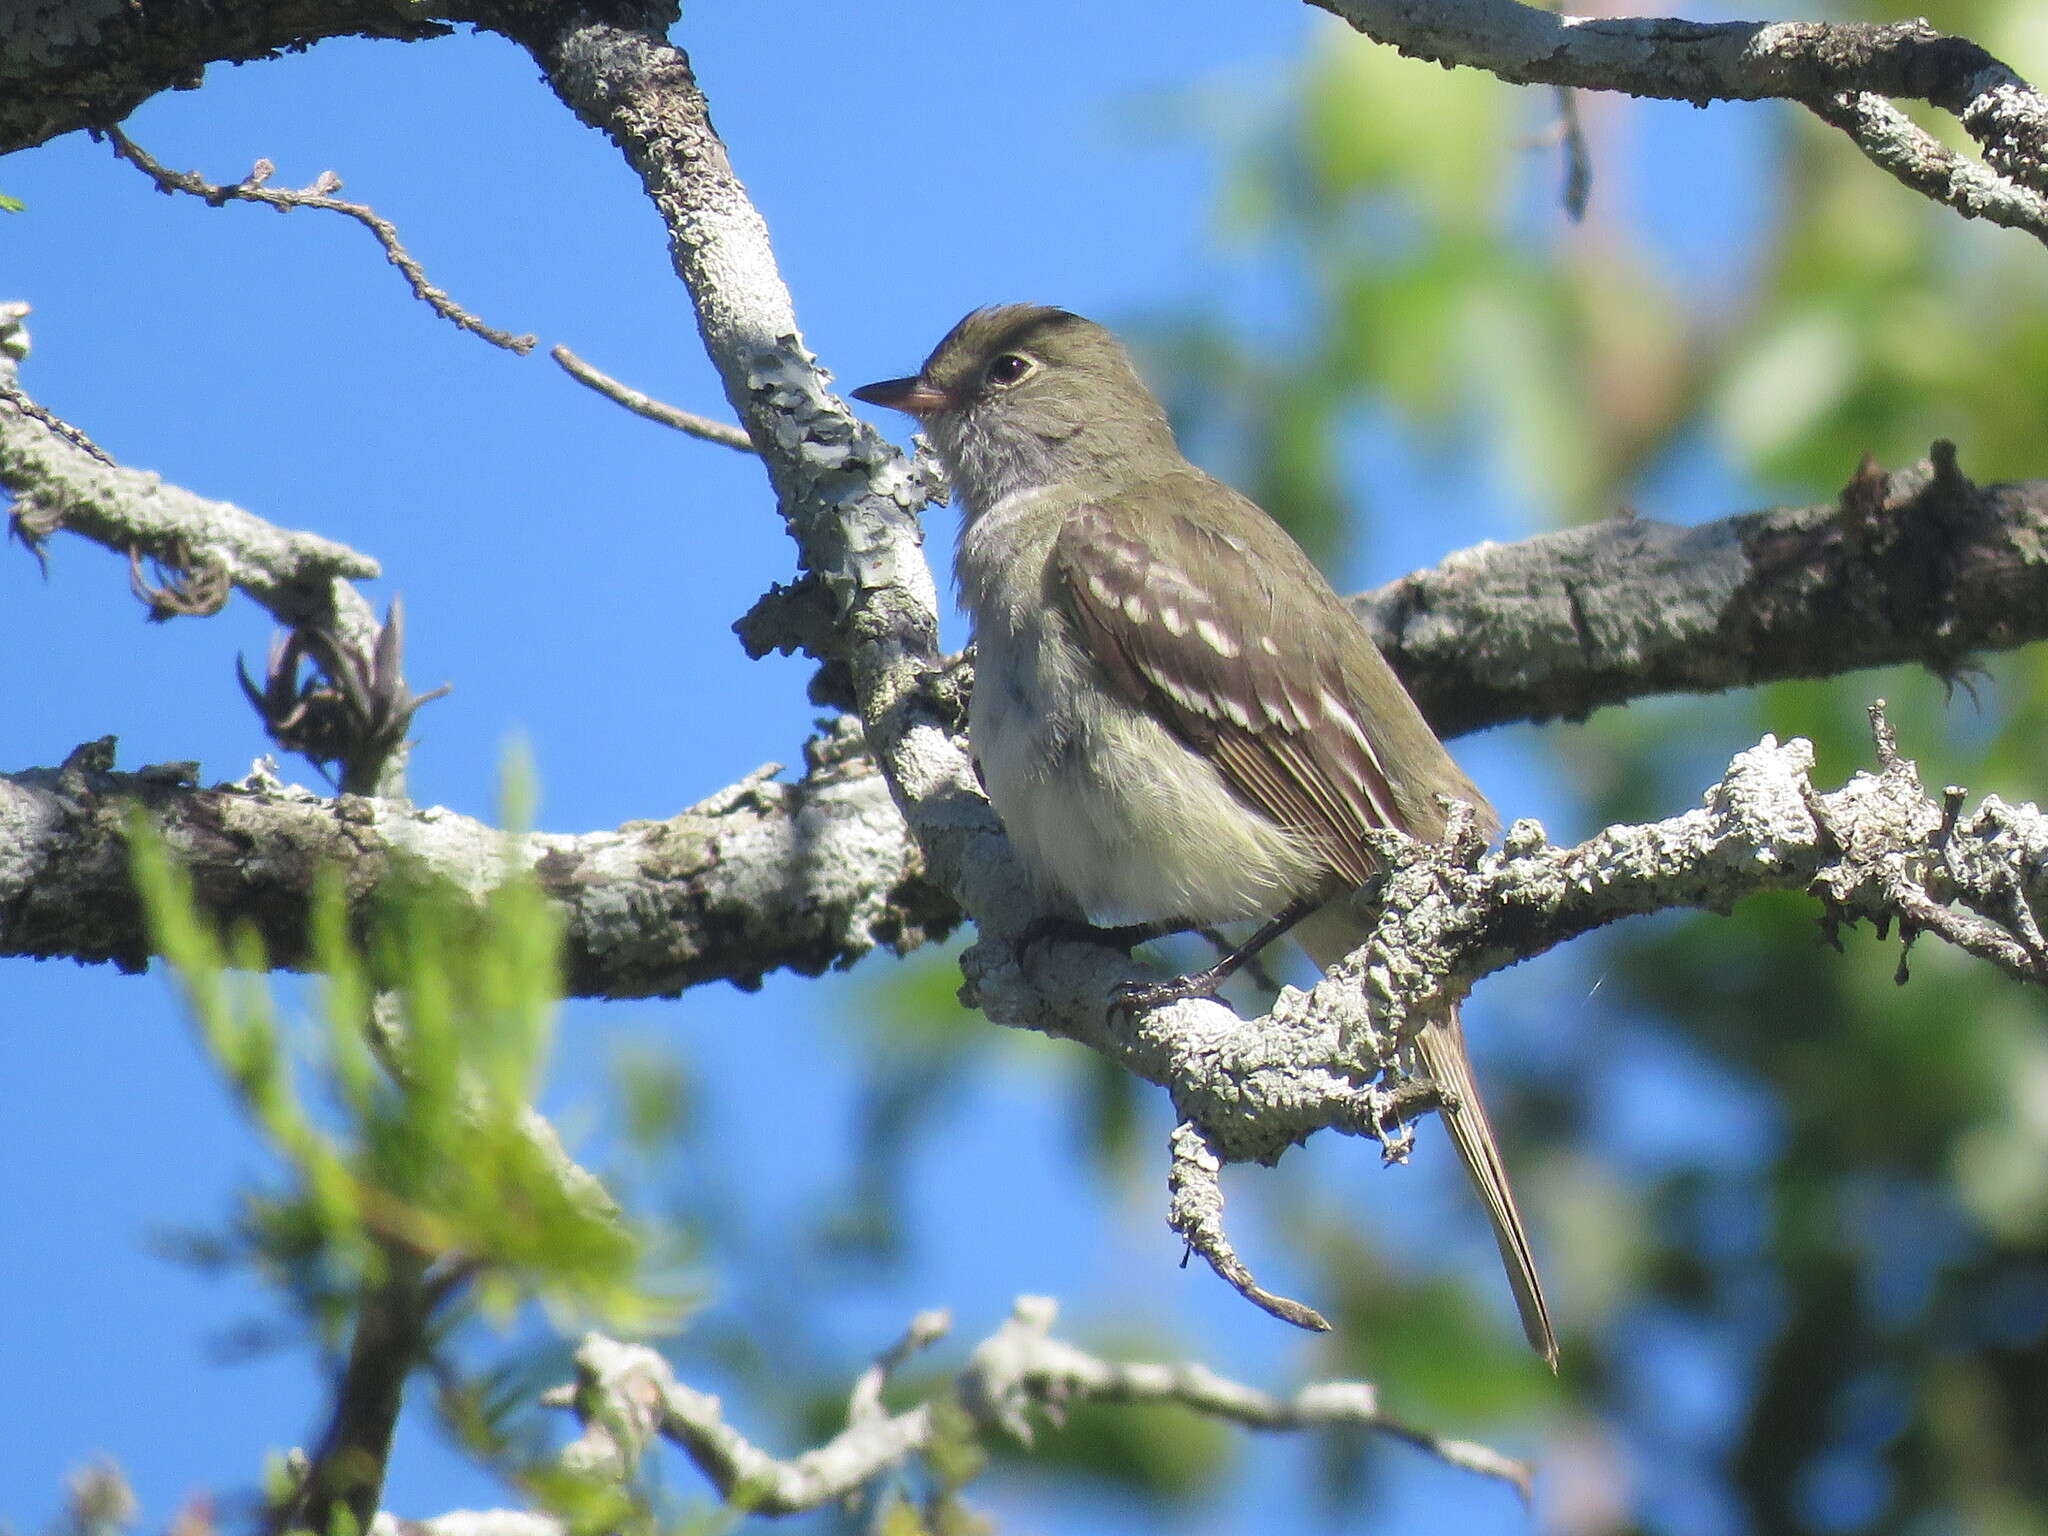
[(848, 498), (1915, 158), (1822, 65), (627, 1395), (57, 484), (1919, 566), (71, 64), (762, 876)]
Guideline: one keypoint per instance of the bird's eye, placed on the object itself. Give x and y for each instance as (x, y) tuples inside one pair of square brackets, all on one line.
[(1008, 369)]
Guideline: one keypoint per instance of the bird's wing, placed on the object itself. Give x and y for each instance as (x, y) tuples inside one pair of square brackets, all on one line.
[(1263, 687)]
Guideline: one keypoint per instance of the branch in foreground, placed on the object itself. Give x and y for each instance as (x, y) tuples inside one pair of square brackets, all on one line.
[(1817, 64), (626, 1394), (1919, 566), (254, 188), (761, 876)]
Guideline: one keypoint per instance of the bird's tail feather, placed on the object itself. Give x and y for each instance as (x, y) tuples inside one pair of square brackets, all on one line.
[(1330, 934), (1440, 1052)]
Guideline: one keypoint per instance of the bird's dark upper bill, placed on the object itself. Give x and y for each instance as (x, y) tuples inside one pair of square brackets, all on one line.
[(913, 396)]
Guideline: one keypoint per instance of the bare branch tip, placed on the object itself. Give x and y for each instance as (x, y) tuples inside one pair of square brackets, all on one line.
[(254, 188), (1883, 737), (642, 404), (1948, 470), (1195, 1211), (12, 395)]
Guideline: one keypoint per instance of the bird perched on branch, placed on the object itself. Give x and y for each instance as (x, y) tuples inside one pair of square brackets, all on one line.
[(1177, 720)]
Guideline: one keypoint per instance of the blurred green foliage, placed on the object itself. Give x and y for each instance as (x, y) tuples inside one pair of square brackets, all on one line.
[(434, 1146), (406, 1145)]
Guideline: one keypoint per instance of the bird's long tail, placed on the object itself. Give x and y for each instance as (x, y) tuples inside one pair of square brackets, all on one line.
[(1440, 1052)]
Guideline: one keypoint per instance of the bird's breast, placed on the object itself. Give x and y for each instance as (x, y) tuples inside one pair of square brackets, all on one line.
[(1103, 803)]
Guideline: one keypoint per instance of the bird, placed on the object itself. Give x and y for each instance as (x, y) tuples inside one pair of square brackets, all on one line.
[(1177, 720)]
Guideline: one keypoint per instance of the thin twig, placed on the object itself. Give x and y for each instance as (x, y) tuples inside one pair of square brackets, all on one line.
[(253, 189), (1578, 157), (926, 1329), (1195, 1210), (10, 394), (640, 404)]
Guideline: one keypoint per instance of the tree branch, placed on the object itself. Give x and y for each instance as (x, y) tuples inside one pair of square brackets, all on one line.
[(299, 577), (1245, 1090), (71, 64), (1820, 65), (255, 188), (1903, 149), (1920, 566), (761, 876), (722, 433), (848, 498), (627, 1394), (346, 1473)]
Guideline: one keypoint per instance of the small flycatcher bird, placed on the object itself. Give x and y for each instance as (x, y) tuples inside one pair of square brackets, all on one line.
[(1176, 718)]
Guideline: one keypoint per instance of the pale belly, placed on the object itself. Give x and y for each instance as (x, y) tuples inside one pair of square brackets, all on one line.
[(1114, 813)]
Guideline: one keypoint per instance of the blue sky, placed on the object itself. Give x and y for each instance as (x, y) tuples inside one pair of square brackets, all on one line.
[(574, 571)]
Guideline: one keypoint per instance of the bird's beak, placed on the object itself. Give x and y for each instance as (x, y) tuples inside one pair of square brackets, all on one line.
[(914, 397)]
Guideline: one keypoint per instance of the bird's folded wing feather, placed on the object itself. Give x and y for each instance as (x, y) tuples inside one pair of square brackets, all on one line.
[(1261, 685)]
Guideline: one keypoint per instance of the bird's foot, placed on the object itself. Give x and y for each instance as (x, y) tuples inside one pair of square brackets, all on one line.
[(1131, 998)]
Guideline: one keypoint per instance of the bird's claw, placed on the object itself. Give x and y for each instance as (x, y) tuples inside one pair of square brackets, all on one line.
[(1131, 998)]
